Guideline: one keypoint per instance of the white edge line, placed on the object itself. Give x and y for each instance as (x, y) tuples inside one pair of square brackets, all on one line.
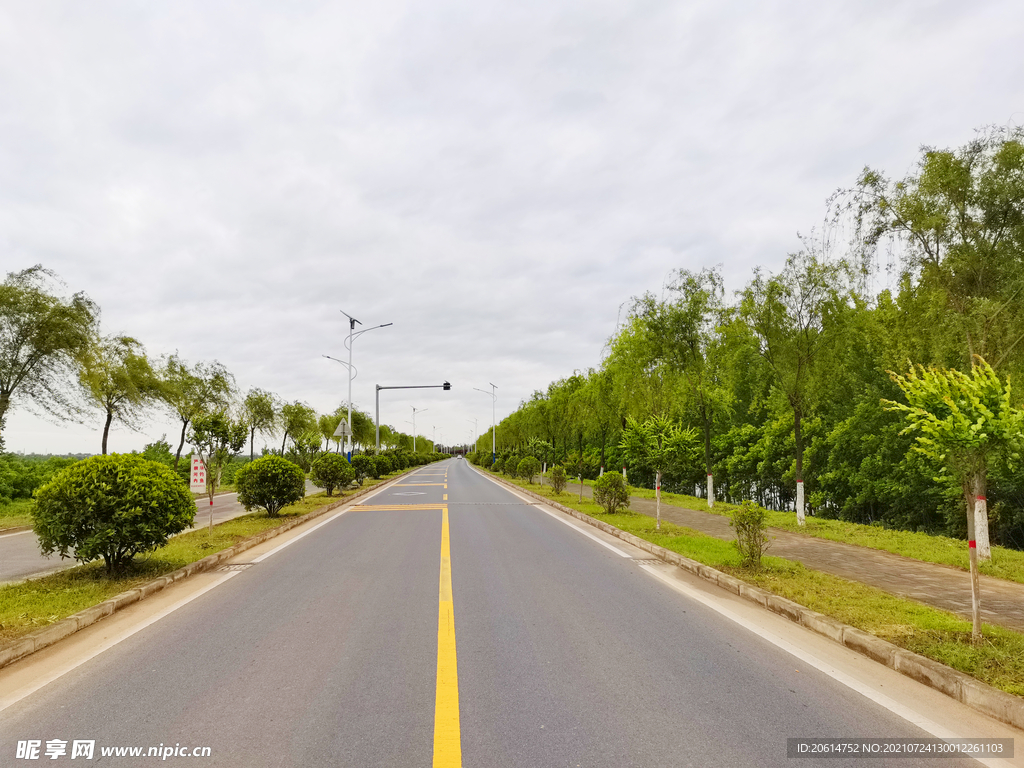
[(900, 710), (560, 517), (16, 696)]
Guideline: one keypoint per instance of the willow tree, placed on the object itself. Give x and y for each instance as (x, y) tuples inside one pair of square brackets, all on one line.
[(957, 221), (192, 391), (686, 338), (42, 337), (117, 378), (965, 423), (787, 313), (259, 411)]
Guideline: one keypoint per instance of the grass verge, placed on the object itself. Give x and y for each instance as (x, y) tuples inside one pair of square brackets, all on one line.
[(1005, 564), (16, 514), (28, 605), (937, 634)]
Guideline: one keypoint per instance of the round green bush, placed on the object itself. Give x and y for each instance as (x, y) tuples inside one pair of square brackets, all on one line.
[(383, 465), (527, 468), (610, 492), (330, 471), (363, 467), (270, 483), (113, 507)]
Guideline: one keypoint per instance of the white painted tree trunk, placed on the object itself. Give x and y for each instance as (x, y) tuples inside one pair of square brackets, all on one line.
[(601, 473), (800, 502), (981, 518), (711, 490), (624, 481), (657, 493)]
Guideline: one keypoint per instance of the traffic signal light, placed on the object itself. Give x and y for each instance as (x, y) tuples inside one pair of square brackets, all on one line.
[(447, 385)]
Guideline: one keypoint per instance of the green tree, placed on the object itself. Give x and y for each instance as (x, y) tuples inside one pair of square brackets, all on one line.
[(657, 445), (191, 391), (118, 379), (959, 221), (270, 483), (686, 330), (788, 314), (965, 423), (113, 507), (259, 412), (42, 337), (297, 420), (216, 437), (330, 471)]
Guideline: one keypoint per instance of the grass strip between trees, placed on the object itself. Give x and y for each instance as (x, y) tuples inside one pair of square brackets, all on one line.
[(1006, 563), (26, 606), (928, 631)]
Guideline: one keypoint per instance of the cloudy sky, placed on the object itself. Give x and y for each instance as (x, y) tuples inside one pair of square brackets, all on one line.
[(496, 179)]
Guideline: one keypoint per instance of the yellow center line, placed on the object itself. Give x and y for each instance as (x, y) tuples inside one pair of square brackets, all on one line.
[(447, 734)]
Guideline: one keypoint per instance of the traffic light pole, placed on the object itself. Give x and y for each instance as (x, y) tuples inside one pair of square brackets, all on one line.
[(446, 386)]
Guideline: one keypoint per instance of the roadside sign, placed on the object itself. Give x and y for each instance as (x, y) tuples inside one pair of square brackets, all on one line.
[(198, 483), (342, 430)]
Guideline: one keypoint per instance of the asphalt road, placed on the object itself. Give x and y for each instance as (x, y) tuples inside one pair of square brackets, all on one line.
[(337, 647), (20, 557)]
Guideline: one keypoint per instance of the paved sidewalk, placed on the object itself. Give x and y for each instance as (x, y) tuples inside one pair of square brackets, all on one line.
[(1002, 602)]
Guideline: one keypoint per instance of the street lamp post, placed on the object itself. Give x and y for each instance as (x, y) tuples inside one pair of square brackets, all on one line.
[(414, 412), (494, 428), (351, 369)]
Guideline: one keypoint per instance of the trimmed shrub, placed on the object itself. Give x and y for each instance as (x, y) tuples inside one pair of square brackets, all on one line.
[(363, 467), (270, 483), (610, 492), (498, 465), (383, 465), (113, 507), (752, 539), (527, 468), (330, 471), (557, 479)]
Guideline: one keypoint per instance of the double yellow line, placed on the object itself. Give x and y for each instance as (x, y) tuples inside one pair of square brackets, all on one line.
[(447, 731)]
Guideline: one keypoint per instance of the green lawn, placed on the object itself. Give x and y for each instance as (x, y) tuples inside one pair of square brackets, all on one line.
[(16, 514), (1006, 563)]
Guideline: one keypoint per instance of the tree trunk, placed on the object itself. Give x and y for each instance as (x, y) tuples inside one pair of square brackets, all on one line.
[(981, 516), (5, 403), (972, 552), (798, 434), (657, 493), (181, 443), (707, 461), (283, 441), (106, 430), (252, 440)]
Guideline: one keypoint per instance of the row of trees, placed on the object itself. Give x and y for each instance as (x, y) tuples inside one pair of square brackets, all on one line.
[(780, 387), (53, 357)]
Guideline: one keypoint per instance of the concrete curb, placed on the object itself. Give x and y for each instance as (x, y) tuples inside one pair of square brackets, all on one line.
[(957, 685), (18, 649)]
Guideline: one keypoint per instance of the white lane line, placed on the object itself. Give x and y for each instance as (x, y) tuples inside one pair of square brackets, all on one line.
[(900, 710), (16, 533), (15, 696), (560, 517)]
